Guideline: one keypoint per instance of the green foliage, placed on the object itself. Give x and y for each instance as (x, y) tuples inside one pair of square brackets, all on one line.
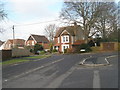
[(37, 47), (42, 52), (13, 61), (65, 50), (54, 50), (31, 50)]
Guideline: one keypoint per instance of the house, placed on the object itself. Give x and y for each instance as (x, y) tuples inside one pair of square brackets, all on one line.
[(68, 37), (16, 43), (40, 39)]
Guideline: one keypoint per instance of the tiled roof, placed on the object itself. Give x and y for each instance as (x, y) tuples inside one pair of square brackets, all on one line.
[(70, 29), (17, 41), (40, 38)]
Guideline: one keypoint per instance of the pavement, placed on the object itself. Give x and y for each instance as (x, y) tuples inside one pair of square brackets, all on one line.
[(64, 71)]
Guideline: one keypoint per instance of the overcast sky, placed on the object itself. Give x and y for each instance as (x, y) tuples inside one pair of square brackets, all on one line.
[(21, 13)]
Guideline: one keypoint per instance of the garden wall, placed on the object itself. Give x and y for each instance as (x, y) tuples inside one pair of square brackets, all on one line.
[(5, 54), (20, 52)]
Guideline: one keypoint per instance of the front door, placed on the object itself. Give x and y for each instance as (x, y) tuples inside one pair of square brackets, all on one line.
[(65, 47)]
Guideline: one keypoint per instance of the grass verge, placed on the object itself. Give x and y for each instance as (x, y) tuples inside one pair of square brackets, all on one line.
[(13, 61), (38, 57)]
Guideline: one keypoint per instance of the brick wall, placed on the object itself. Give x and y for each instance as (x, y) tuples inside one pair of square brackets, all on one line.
[(109, 46), (20, 52)]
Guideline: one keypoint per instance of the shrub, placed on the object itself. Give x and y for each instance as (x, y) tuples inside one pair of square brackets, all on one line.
[(37, 47), (69, 50), (65, 50), (42, 52), (31, 50), (86, 47), (54, 50)]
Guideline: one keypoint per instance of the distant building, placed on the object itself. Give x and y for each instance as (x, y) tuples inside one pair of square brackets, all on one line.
[(16, 43), (40, 39)]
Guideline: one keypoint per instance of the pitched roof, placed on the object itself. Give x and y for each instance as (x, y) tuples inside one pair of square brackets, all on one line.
[(40, 38), (17, 41), (69, 29)]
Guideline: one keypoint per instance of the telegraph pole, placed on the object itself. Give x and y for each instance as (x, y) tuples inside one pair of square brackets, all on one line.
[(13, 36)]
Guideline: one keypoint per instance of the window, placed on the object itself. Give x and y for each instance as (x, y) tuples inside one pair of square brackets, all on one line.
[(33, 43), (65, 39)]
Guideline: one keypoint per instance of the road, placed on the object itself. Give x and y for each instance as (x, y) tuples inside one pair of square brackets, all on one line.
[(64, 71)]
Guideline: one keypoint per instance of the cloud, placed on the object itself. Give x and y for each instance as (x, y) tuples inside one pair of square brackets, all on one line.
[(28, 12), (33, 8)]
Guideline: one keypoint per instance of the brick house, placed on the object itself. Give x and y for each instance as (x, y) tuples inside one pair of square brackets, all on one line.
[(68, 37), (40, 39), (9, 44)]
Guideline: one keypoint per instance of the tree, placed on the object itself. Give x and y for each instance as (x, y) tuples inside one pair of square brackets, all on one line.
[(50, 31), (2, 15), (89, 15), (107, 20), (84, 13)]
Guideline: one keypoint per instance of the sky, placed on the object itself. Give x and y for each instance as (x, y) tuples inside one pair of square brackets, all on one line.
[(29, 17)]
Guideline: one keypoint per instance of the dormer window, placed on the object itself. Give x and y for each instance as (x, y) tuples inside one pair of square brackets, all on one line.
[(65, 39)]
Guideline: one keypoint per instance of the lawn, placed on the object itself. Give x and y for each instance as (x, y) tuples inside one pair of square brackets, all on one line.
[(38, 57), (13, 61)]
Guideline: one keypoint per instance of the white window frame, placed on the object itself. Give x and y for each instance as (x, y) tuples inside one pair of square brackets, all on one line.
[(33, 43), (64, 37), (65, 45)]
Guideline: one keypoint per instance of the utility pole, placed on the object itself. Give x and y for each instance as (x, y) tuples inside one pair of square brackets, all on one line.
[(13, 36)]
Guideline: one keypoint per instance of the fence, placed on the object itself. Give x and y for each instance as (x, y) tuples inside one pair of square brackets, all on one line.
[(5, 54)]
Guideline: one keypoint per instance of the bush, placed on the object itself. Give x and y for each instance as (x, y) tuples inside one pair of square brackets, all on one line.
[(54, 50), (86, 47), (69, 50), (38, 47), (42, 52), (31, 50), (65, 50)]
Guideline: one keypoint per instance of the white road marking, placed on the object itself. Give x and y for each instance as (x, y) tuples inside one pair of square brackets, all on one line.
[(111, 56), (35, 69), (6, 80), (106, 59), (15, 64), (96, 79), (85, 60)]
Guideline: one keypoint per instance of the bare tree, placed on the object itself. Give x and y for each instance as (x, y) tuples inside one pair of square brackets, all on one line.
[(50, 31), (107, 21), (84, 13), (87, 15), (2, 15)]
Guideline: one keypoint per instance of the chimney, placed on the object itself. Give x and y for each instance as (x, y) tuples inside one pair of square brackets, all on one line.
[(75, 28)]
